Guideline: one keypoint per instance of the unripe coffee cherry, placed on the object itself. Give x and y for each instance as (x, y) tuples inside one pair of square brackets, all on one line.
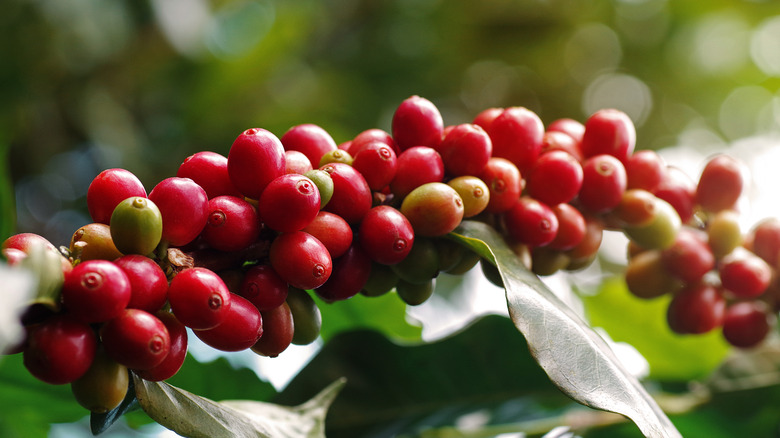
[(103, 386), (474, 193), (93, 241), (307, 319), (136, 226), (433, 209)]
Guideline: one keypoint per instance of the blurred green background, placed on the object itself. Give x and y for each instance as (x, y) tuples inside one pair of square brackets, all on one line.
[(87, 85)]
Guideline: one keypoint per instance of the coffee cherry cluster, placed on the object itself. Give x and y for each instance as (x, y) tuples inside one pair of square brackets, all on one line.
[(233, 247)]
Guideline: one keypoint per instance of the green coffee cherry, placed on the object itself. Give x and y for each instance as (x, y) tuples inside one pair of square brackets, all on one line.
[(415, 294), (421, 264), (136, 226), (381, 280), (307, 320), (324, 184), (723, 233), (468, 260), (474, 193), (660, 231), (336, 156), (104, 385)]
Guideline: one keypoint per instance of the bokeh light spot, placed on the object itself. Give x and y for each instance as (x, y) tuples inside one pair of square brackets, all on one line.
[(621, 91)]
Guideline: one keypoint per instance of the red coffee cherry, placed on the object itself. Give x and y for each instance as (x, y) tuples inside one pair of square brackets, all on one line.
[(433, 209), (184, 207), (679, 190), (746, 324), (696, 309), (744, 274), (570, 127), (208, 170), (417, 122), (603, 183), (351, 195), (25, 241), (350, 273), (312, 140), (378, 163), (333, 231), (571, 227), (148, 283), (136, 339), (465, 150), (611, 132), (517, 136), (689, 257), (233, 224), (416, 166), (108, 189), (296, 162), (720, 184), (555, 178), (96, 291), (766, 240), (386, 235), (504, 184), (199, 298), (486, 117), (300, 259), (278, 331), (531, 222), (300, 198), (59, 350), (559, 141), (177, 352), (255, 159), (263, 287), (369, 136), (590, 243), (645, 170), (241, 329)]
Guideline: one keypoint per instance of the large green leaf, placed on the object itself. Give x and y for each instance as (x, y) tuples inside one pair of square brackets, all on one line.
[(575, 357), (386, 313)]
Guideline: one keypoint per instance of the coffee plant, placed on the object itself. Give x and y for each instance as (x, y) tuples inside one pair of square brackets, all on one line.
[(235, 248)]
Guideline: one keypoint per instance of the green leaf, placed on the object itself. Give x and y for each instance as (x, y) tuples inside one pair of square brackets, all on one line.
[(219, 380), (575, 357), (386, 313), (194, 416), (484, 372), (642, 323)]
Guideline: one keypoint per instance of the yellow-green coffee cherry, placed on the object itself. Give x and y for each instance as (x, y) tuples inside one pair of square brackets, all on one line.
[(136, 226)]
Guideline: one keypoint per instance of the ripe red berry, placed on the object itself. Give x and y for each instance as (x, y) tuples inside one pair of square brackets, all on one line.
[(350, 273), (378, 163), (485, 117), (296, 162), (96, 291), (300, 198), (184, 207), (570, 127), (300, 259), (571, 227), (720, 184), (555, 178), (255, 159), (766, 240), (240, 330), (531, 222), (689, 257), (747, 323), (278, 331), (645, 170), (517, 136), (233, 224), (312, 140), (417, 165), (177, 332), (504, 184), (199, 298), (148, 283), (679, 190), (136, 339), (417, 122), (263, 287), (465, 150), (333, 231), (744, 274), (696, 309), (559, 141), (603, 183), (59, 350), (351, 195), (611, 132), (208, 170), (386, 235), (369, 136), (108, 189)]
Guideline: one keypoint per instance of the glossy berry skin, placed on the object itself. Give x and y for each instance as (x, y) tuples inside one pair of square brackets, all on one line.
[(96, 291), (696, 309), (724, 235), (746, 324), (309, 139), (531, 222), (603, 183), (465, 150), (199, 298), (720, 184), (350, 274), (504, 184), (378, 163), (647, 277), (232, 225), (103, 386), (300, 259), (555, 178), (415, 294), (93, 241), (351, 195), (433, 209), (417, 165), (136, 226), (517, 136), (108, 189), (26, 241), (474, 193), (289, 203), (559, 141), (386, 235), (324, 184), (570, 127), (661, 229), (336, 156), (256, 158), (611, 132), (263, 287), (679, 190), (417, 122), (766, 240), (689, 257), (485, 117), (744, 274), (296, 162), (278, 331), (590, 243), (148, 283), (137, 339), (333, 231), (176, 354), (307, 319), (369, 136), (60, 350), (240, 330), (421, 264), (571, 227), (184, 206), (208, 170), (645, 170)]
